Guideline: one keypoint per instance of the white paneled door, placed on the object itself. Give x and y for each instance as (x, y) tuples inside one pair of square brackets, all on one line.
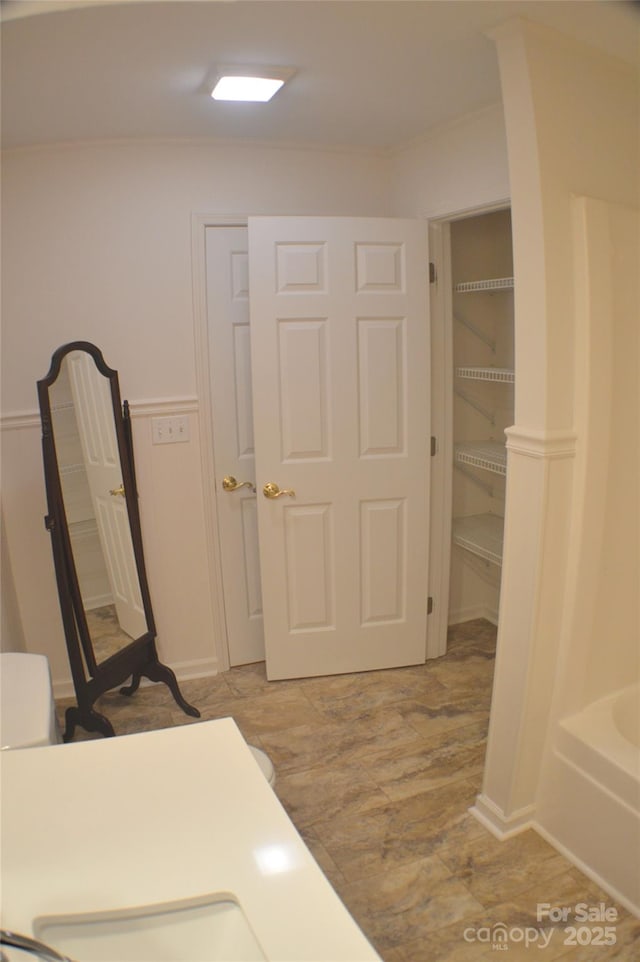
[(341, 420), (230, 367)]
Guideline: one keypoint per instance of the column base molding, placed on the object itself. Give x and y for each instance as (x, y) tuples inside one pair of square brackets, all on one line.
[(501, 825)]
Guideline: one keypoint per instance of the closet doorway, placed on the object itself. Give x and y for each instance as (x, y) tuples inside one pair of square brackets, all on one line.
[(473, 389)]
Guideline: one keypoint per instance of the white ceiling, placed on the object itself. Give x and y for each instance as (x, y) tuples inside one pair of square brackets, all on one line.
[(370, 73)]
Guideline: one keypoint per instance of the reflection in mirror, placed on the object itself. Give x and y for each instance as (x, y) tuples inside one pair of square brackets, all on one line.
[(93, 495), (96, 539)]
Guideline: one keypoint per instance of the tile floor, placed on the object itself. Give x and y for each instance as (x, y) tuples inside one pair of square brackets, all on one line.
[(377, 771)]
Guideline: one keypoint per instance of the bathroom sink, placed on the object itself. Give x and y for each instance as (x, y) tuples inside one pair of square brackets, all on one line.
[(213, 928)]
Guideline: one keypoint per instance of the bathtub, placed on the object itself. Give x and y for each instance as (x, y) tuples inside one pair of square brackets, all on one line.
[(604, 740), (593, 812)]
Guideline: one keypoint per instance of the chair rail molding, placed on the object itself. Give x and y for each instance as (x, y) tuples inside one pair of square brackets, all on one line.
[(534, 443), (20, 420), (146, 407)]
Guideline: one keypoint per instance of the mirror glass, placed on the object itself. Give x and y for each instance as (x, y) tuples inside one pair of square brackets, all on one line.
[(84, 434)]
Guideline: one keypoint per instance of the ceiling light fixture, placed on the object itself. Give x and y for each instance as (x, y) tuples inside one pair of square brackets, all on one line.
[(253, 84)]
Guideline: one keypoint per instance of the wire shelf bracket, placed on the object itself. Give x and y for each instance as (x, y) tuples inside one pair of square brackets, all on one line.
[(480, 534), (485, 485), (477, 406), (470, 326)]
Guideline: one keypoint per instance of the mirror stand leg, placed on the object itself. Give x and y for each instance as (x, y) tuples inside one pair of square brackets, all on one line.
[(133, 687), (89, 719), (156, 671), (69, 724)]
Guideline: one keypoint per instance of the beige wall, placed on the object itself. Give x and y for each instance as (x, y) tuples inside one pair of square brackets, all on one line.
[(586, 109), (458, 166), (586, 116), (97, 246), (11, 633), (97, 243), (601, 650)]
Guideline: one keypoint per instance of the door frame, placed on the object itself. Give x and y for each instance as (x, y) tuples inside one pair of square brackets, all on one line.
[(439, 234), (441, 416), (439, 240)]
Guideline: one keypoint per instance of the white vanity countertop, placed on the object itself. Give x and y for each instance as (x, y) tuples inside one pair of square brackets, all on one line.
[(159, 817)]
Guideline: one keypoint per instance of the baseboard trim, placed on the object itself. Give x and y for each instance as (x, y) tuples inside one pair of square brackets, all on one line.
[(501, 825), (62, 689), (505, 827), (586, 870), (198, 668), (184, 671), (461, 615)]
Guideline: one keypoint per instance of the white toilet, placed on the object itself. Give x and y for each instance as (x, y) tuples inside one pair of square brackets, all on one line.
[(265, 764), (27, 709)]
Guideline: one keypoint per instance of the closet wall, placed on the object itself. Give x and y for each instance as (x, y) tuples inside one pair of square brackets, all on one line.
[(483, 398)]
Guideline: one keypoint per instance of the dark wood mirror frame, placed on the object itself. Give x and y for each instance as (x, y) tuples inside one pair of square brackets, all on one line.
[(139, 658)]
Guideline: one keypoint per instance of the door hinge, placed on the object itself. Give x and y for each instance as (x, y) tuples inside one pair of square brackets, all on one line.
[(429, 605), (434, 446), (432, 273)]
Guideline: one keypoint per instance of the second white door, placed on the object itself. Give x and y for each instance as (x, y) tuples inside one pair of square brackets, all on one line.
[(230, 368)]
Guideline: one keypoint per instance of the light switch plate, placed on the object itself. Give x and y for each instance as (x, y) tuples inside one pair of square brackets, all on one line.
[(170, 430)]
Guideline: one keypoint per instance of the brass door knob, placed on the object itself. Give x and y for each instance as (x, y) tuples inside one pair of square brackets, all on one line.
[(230, 484), (271, 490), (119, 491)]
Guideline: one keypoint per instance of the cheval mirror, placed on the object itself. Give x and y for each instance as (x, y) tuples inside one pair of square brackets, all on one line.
[(96, 538)]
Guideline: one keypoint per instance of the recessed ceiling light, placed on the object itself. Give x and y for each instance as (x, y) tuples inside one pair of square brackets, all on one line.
[(255, 84), (246, 88)]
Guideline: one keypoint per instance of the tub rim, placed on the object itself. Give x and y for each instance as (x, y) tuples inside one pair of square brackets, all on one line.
[(591, 740)]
